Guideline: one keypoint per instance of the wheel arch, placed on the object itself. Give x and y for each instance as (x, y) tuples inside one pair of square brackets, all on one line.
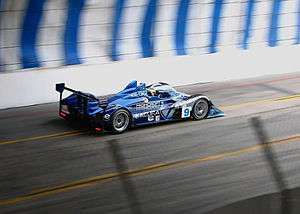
[(196, 97), (197, 100)]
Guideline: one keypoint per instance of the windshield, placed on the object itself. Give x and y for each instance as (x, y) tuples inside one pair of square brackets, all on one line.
[(165, 88), (161, 89)]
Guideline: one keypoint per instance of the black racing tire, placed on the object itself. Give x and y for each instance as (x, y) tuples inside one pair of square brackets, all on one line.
[(200, 109), (120, 121)]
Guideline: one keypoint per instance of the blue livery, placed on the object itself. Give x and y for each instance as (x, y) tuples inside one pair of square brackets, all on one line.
[(136, 105)]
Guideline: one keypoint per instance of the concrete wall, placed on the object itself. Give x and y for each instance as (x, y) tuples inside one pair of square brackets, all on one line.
[(98, 73)]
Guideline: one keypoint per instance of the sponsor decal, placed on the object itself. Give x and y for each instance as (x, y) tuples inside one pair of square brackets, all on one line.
[(186, 111), (151, 115), (139, 94), (167, 113), (146, 100), (157, 118), (106, 117), (149, 105)]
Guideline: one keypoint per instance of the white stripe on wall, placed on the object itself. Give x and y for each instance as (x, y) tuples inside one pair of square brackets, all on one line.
[(165, 28), (288, 22), (230, 25), (51, 32), (199, 26), (195, 27), (131, 28), (261, 23), (10, 29), (95, 31)]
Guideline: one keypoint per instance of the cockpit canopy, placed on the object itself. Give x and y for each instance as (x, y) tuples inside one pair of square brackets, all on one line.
[(163, 90), (160, 89)]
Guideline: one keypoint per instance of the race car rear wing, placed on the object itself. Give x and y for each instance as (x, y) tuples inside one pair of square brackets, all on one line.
[(60, 87)]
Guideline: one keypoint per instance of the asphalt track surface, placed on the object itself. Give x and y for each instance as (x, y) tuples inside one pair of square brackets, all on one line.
[(50, 166)]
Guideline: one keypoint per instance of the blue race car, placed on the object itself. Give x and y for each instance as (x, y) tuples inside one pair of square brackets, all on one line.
[(136, 105)]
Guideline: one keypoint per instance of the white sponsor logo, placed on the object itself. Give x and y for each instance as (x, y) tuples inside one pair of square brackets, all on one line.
[(149, 114), (106, 117), (148, 105), (138, 94)]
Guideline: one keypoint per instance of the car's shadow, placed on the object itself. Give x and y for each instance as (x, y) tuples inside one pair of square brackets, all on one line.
[(87, 130)]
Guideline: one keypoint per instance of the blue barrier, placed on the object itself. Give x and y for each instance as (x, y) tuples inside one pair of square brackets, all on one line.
[(71, 32), (298, 25), (119, 5), (147, 42), (273, 30), (248, 23), (218, 5), (29, 32), (181, 22)]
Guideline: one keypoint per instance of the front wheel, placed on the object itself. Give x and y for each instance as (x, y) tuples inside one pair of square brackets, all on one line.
[(200, 109), (120, 121)]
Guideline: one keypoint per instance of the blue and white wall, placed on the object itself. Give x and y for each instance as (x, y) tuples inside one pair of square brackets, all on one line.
[(99, 45), (51, 33)]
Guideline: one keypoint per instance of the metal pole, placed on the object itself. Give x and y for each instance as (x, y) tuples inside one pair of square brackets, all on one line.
[(274, 165), (124, 177)]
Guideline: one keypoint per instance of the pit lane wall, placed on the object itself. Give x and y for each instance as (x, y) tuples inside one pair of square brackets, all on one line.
[(100, 45)]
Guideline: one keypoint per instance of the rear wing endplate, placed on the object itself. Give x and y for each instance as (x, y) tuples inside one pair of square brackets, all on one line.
[(60, 87)]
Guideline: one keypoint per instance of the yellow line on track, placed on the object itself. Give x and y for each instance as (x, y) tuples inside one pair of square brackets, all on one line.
[(141, 171), (295, 96), (43, 137), (285, 98)]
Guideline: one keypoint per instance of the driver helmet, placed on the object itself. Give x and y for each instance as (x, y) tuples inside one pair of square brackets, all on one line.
[(152, 91)]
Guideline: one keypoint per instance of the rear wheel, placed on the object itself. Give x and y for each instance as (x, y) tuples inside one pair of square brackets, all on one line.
[(200, 109), (120, 121)]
